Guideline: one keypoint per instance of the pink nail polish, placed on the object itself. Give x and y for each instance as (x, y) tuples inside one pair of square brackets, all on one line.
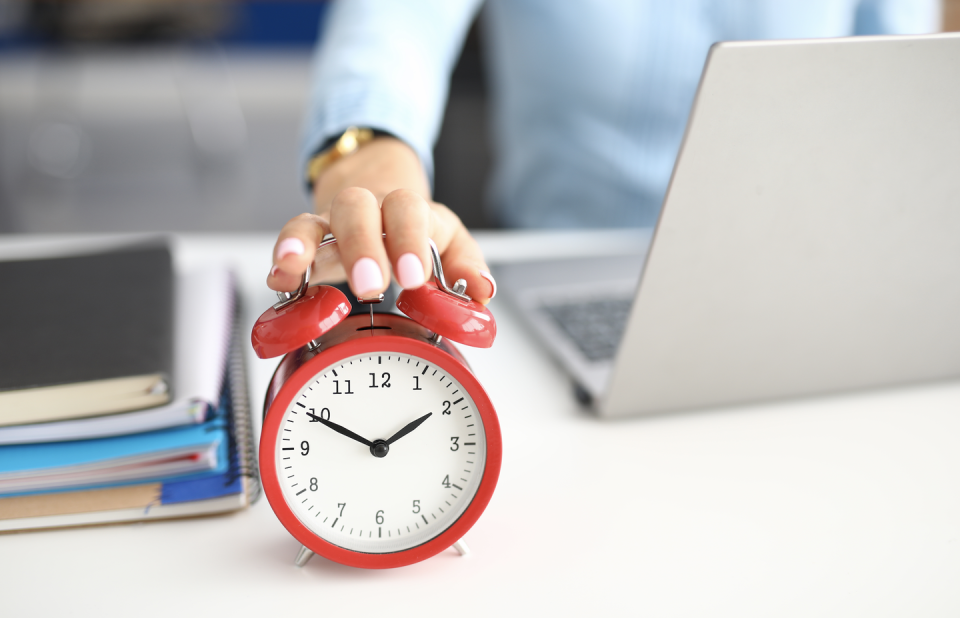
[(289, 246), (493, 284), (410, 271), (274, 270), (366, 276)]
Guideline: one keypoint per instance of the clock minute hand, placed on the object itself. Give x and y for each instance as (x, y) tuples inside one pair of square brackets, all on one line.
[(341, 430), (408, 428)]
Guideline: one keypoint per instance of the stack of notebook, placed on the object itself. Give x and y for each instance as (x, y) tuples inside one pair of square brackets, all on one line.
[(122, 391)]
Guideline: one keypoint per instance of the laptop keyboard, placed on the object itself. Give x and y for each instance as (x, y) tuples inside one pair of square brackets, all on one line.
[(595, 326)]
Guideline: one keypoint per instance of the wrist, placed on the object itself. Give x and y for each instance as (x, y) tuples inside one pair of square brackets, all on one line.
[(336, 148), (382, 165)]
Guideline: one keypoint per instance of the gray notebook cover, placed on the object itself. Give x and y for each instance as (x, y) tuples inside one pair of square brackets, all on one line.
[(87, 317)]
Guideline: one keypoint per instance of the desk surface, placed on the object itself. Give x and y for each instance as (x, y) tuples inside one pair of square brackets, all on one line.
[(845, 506)]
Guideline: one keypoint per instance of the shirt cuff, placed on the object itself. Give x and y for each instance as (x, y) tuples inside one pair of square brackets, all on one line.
[(337, 114)]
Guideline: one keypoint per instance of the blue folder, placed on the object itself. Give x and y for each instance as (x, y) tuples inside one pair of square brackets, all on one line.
[(61, 454), (24, 457)]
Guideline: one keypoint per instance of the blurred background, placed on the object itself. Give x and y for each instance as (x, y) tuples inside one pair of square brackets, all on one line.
[(184, 115)]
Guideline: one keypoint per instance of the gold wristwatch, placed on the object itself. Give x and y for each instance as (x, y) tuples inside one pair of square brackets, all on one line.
[(348, 143)]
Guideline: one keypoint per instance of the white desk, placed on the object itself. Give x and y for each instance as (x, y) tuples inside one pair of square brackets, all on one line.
[(845, 506)]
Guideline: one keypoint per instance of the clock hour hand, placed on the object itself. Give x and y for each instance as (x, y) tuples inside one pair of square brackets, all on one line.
[(341, 429), (408, 428)]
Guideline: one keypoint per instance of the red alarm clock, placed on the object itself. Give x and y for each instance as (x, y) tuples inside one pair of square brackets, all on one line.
[(379, 446)]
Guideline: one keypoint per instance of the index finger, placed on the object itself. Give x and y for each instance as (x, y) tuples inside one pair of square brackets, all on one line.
[(295, 249)]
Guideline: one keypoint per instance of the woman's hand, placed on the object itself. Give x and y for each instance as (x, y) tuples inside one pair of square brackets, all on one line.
[(381, 188)]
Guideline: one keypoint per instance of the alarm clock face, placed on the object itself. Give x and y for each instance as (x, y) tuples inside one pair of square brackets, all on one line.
[(380, 452)]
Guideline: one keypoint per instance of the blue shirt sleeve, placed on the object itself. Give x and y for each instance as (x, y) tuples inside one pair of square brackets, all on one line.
[(386, 64), (897, 17)]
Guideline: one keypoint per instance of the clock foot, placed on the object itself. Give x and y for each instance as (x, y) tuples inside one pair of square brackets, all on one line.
[(462, 548), (303, 556)]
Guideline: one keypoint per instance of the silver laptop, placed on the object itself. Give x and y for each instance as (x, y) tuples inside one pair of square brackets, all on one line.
[(809, 241)]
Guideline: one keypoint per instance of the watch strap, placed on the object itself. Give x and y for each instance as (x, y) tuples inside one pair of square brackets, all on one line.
[(337, 148)]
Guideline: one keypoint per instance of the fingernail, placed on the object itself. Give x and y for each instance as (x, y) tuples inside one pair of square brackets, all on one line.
[(493, 284), (366, 276), (410, 271), (274, 270), (289, 246)]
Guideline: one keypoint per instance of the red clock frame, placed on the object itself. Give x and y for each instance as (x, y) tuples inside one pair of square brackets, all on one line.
[(363, 345)]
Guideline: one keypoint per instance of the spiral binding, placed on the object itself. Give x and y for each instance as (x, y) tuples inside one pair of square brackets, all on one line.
[(242, 419)]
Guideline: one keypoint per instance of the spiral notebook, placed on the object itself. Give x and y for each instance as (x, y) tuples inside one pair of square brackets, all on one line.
[(220, 491)]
